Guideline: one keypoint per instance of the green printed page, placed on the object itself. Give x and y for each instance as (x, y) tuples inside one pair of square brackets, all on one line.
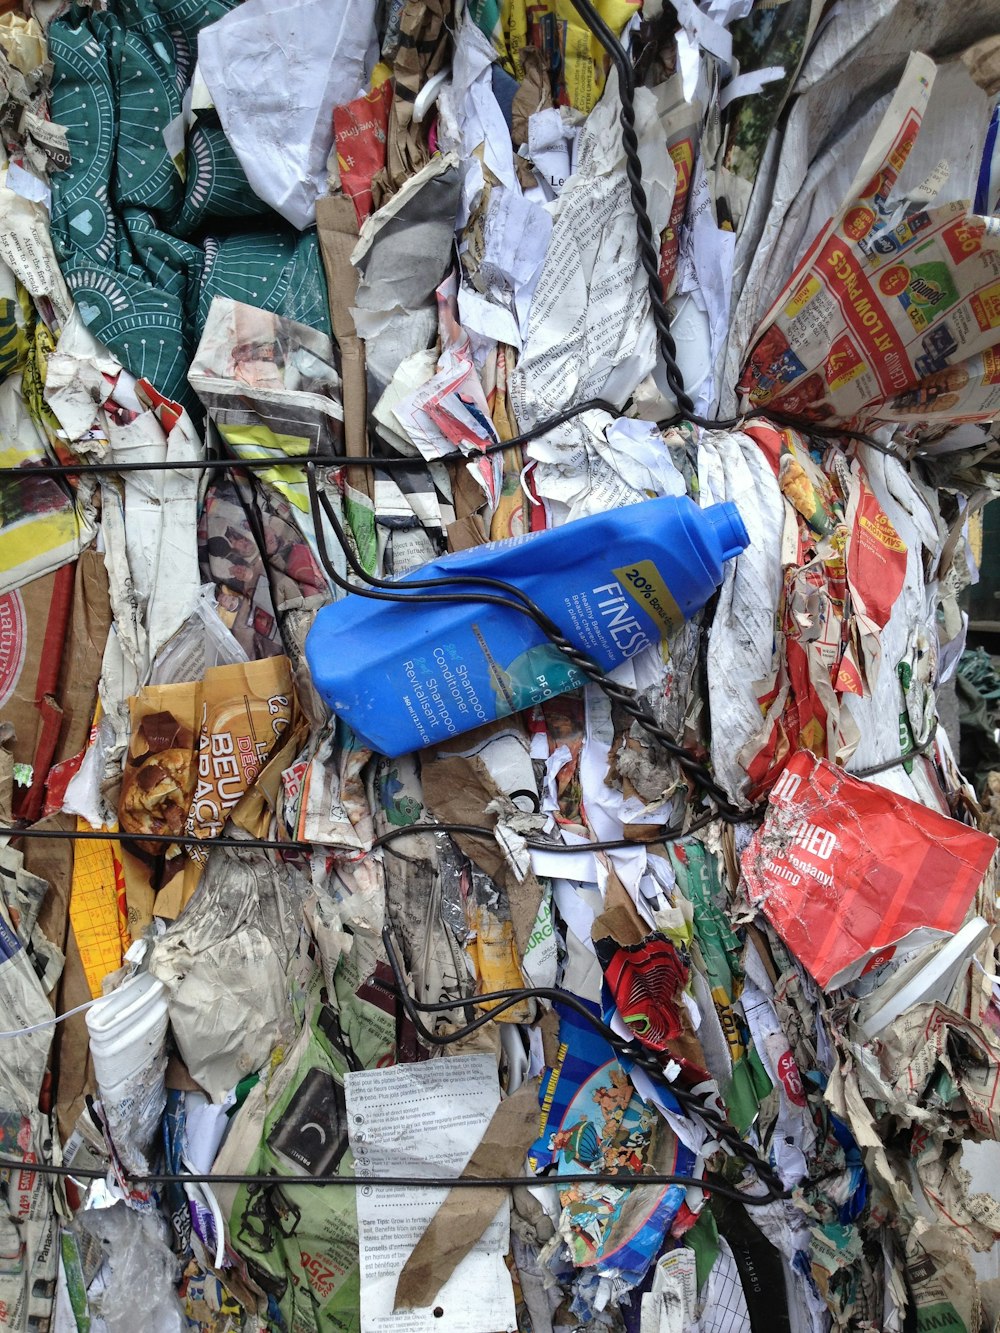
[(121, 211), (697, 874), (300, 1243)]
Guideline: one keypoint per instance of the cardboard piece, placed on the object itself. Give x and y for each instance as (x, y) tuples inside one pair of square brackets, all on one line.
[(466, 1213), (337, 228), (33, 622), (70, 1062)]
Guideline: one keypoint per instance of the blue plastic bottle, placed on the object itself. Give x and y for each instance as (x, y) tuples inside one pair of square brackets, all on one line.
[(405, 677)]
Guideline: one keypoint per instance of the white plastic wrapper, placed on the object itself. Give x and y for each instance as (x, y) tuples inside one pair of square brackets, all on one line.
[(136, 1260), (275, 70), (223, 962)]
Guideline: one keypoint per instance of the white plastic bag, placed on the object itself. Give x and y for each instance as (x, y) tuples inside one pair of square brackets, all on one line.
[(275, 70), (135, 1286), (203, 641)]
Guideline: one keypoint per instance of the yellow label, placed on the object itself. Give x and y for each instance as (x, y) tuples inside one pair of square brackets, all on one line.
[(682, 157), (495, 956), (802, 297), (260, 442), (644, 584), (882, 530), (730, 1027)]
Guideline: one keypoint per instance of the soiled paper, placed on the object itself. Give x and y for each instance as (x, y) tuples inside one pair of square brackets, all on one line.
[(27, 1217), (465, 1215), (589, 331), (41, 527), (401, 256), (224, 962), (424, 1120)]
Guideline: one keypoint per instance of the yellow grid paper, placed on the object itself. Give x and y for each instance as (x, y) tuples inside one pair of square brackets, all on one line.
[(96, 908)]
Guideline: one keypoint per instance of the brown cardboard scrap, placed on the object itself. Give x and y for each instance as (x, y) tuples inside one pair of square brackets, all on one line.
[(534, 93), (457, 790), (525, 898), (467, 493), (6, 772), (549, 1028), (484, 1041), (52, 636), (465, 1214), (337, 228), (72, 1069), (83, 653), (619, 920), (982, 60), (466, 532), (423, 48), (179, 1076)]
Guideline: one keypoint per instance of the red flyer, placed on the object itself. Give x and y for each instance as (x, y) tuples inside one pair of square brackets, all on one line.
[(846, 872)]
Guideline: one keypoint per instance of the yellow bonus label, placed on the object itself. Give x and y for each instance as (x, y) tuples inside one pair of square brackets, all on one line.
[(644, 584), (882, 530)]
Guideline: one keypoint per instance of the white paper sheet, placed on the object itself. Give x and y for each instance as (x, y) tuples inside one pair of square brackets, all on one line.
[(425, 1120), (275, 70), (590, 331), (469, 114)]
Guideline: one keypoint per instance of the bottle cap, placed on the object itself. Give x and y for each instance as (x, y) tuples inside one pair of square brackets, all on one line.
[(729, 528)]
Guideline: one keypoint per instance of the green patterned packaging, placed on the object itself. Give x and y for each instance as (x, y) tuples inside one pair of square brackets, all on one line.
[(129, 231), (215, 185)]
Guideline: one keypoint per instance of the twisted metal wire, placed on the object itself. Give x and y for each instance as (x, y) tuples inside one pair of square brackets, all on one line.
[(649, 253), (650, 1061)]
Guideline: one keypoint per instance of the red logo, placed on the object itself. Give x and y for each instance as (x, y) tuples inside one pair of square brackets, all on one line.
[(878, 959), (894, 280), (858, 222), (791, 1079), (13, 643), (842, 362), (964, 239)]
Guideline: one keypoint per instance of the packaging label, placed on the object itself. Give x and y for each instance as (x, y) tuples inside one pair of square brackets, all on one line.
[(845, 870), (644, 583)]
